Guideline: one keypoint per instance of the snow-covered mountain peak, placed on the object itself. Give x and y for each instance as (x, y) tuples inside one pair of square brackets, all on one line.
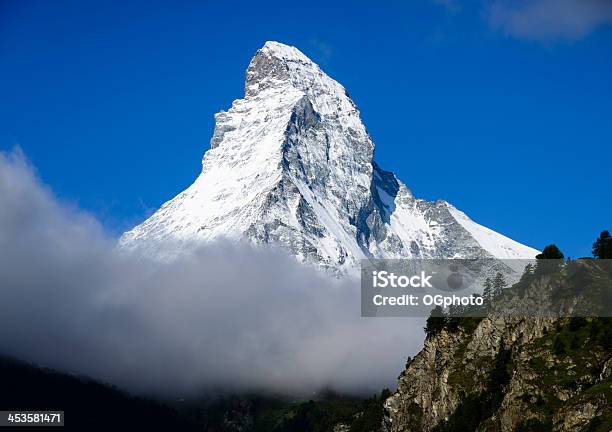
[(292, 164), (278, 65), (284, 52)]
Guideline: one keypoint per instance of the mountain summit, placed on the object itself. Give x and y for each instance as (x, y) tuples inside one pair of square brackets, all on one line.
[(292, 164)]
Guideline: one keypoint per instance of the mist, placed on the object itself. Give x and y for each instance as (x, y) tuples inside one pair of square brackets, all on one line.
[(226, 318)]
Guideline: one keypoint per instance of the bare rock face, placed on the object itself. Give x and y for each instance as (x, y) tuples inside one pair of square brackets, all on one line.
[(291, 164), (501, 373)]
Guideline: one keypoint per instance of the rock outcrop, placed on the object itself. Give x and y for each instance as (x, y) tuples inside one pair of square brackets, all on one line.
[(510, 373)]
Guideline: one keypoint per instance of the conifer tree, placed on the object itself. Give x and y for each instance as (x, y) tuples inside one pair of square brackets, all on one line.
[(499, 283), (551, 252), (549, 260), (487, 293), (435, 322), (602, 248), (527, 273)]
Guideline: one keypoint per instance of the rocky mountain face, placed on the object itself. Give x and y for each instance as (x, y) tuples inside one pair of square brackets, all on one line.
[(292, 164), (510, 373)]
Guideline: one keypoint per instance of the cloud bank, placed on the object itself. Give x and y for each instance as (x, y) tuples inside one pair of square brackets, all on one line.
[(226, 318)]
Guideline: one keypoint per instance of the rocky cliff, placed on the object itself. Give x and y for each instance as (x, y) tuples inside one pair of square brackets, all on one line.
[(508, 373)]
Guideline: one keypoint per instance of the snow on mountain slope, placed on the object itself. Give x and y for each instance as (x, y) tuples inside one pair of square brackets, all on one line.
[(496, 244), (292, 164)]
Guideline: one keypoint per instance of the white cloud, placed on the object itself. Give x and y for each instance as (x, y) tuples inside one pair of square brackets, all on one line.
[(227, 317), (549, 20)]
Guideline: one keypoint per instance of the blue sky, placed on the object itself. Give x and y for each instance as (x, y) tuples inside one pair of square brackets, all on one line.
[(502, 108)]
